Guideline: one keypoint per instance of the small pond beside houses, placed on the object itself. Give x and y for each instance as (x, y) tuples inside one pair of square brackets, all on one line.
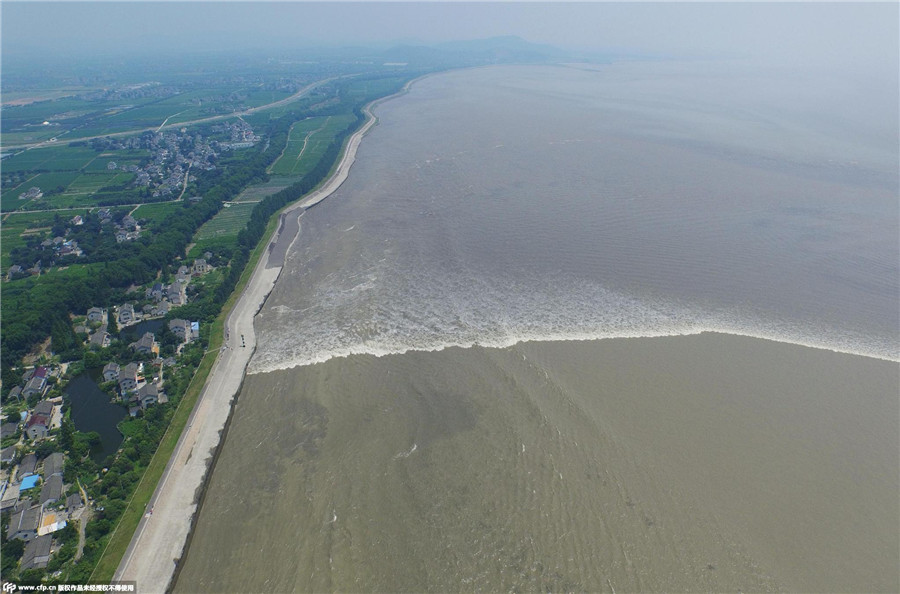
[(93, 411)]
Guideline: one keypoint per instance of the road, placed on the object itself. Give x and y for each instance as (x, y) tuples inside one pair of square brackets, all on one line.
[(159, 540), (56, 142)]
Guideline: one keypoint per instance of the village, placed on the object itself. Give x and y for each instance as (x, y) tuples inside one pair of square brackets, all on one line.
[(44, 503), (174, 153)]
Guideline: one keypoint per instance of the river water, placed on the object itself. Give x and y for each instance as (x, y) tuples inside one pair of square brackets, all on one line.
[(519, 209)]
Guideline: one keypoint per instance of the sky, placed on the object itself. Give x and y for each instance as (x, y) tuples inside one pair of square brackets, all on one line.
[(845, 34)]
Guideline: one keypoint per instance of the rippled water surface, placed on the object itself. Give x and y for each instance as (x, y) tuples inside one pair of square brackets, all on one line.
[(518, 220), (502, 204)]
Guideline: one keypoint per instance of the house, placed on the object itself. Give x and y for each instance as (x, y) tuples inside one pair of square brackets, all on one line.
[(7, 455), (53, 464), (111, 372), (52, 489), (200, 267), (10, 498), (24, 524), (29, 482), (8, 430), (37, 427), (176, 293), (70, 248), (96, 314), (26, 466), (146, 396), (181, 329), (44, 408), (161, 308), (35, 386), (100, 339), (37, 553), (128, 377), (74, 503), (126, 314), (146, 344), (77, 220), (156, 291), (32, 193), (14, 271), (16, 393), (183, 275)]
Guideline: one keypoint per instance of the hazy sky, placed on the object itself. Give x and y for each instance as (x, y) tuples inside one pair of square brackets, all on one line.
[(844, 33)]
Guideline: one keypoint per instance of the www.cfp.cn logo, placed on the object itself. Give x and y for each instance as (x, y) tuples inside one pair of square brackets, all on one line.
[(9, 587)]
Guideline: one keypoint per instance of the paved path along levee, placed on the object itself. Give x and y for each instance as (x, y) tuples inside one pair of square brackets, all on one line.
[(159, 540)]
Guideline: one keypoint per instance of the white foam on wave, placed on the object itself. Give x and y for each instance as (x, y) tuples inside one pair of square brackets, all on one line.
[(418, 314)]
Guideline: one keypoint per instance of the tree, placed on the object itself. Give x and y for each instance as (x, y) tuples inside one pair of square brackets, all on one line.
[(92, 360), (45, 448)]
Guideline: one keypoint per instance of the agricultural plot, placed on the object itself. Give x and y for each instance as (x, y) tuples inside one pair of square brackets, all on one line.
[(55, 158), (79, 189), (90, 183), (16, 117), (121, 158), (32, 134), (155, 213), (48, 182), (257, 98), (257, 192), (307, 141), (227, 223)]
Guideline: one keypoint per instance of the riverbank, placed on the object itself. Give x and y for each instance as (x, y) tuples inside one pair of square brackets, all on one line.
[(158, 542)]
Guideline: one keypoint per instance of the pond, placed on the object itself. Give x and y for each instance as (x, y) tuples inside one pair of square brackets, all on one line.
[(93, 411), (132, 333)]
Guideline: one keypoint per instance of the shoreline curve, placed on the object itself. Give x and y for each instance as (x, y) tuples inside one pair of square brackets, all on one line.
[(160, 540)]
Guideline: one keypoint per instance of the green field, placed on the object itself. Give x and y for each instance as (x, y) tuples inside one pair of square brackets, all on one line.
[(89, 183), (54, 158), (72, 118), (9, 199), (307, 141), (227, 223), (156, 212), (257, 192), (32, 134), (16, 227), (121, 158)]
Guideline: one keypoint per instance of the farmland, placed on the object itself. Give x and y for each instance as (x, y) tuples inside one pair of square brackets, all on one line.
[(100, 113), (307, 142), (155, 213), (228, 222), (257, 192)]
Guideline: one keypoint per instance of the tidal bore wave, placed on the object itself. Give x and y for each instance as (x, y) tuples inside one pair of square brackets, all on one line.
[(360, 319)]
